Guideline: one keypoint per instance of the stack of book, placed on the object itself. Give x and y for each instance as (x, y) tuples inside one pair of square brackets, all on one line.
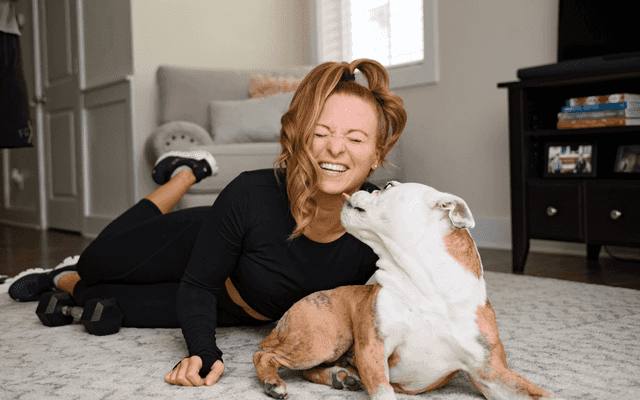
[(620, 109)]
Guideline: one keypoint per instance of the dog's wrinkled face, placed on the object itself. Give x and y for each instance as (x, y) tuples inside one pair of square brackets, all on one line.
[(404, 213)]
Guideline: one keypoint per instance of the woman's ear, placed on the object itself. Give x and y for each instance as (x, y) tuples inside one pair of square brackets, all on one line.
[(376, 164), (379, 157)]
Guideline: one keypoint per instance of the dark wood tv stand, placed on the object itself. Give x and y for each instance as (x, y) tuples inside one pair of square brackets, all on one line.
[(600, 210)]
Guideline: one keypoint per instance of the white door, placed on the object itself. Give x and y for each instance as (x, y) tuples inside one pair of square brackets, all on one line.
[(61, 122)]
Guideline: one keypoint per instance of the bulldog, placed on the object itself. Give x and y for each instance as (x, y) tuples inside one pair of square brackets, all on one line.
[(426, 317)]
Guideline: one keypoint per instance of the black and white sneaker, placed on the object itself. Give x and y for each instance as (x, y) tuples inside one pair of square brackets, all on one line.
[(201, 163), (29, 285)]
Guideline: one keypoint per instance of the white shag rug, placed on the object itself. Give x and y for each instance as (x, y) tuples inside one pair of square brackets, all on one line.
[(579, 341)]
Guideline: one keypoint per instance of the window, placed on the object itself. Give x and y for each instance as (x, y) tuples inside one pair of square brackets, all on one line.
[(400, 34)]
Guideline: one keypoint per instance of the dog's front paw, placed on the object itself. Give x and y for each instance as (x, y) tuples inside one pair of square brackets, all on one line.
[(350, 382), (277, 392), (342, 378)]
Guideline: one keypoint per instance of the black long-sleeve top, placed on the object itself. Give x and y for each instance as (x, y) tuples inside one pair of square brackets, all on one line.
[(244, 236)]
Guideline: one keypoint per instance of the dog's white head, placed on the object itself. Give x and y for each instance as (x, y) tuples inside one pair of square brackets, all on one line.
[(404, 213)]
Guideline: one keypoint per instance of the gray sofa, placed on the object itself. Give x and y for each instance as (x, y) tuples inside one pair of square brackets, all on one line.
[(201, 108)]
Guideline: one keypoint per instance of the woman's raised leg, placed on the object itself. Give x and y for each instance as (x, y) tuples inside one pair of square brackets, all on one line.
[(122, 246), (167, 196)]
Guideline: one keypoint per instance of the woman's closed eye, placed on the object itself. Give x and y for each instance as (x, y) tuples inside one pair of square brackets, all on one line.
[(352, 139), (357, 137)]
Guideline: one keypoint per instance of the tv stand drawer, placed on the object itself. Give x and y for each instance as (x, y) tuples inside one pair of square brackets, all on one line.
[(613, 212), (556, 210)]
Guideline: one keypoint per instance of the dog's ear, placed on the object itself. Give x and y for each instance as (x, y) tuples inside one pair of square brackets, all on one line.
[(459, 212)]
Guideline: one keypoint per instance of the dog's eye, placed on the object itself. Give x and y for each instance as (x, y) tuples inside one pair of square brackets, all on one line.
[(360, 209), (388, 185)]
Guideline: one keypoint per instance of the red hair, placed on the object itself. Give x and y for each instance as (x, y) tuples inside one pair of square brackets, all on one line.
[(298, 127)]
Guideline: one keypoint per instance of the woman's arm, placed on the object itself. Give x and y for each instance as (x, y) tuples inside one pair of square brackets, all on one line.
[(213, 258)]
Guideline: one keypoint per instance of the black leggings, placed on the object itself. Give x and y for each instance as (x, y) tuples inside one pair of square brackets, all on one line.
[(139, 259)]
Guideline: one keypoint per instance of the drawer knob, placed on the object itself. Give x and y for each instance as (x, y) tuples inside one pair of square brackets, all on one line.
[(552, 211), (615, 214)]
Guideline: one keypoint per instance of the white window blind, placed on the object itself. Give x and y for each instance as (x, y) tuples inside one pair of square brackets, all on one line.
[(400, 34)]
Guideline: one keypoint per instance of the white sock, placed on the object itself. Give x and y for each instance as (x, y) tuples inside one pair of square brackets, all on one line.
[(180, 168), (57, 277)]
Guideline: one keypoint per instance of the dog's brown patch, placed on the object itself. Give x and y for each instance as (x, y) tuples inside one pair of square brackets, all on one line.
[(394, 359), (459, 211), (460, 246)]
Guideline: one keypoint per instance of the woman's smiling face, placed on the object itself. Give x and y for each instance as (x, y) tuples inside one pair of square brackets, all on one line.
[(344, 143)]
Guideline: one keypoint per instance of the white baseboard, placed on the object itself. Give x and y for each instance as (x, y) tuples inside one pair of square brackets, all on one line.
[(495, 233), (490, 233), (20, 224)]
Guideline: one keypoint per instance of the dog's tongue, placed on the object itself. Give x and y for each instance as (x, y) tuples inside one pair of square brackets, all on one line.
[(345, 197)]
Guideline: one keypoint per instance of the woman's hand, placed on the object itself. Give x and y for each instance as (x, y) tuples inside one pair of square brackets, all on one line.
[(187, 373)]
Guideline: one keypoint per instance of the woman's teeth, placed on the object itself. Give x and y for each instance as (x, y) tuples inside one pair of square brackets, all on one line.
[(332, 168)]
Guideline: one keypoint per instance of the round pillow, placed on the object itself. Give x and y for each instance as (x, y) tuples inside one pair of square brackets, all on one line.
[(178, 135)]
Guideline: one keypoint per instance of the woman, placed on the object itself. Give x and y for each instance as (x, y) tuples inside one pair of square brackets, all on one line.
[(271, 237)]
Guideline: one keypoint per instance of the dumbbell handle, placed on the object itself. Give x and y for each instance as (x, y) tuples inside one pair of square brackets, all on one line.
[(75, 312)]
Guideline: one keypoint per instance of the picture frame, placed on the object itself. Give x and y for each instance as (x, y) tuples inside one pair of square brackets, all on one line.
[(628, 159), (570, 160)]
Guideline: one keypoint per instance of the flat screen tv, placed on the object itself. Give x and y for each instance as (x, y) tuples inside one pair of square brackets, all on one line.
[(594, 28)]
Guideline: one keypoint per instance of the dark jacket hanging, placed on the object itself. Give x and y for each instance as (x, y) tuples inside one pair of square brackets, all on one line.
[(15, 125)]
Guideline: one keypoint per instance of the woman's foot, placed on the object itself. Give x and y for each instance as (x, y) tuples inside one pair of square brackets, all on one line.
[(201, 162), (31, 285)]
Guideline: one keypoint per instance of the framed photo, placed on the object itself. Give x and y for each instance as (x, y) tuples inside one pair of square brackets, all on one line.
[(628, 159), (570, 160)]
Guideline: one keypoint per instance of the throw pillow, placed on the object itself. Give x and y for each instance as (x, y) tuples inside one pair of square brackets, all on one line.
[(251, 120), (264, 86)]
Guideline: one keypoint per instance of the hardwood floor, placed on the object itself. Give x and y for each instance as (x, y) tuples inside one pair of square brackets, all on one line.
[(607, 271), (23, 248)]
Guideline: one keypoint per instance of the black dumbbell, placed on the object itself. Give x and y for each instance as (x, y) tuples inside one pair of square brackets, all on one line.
[(99, 316)]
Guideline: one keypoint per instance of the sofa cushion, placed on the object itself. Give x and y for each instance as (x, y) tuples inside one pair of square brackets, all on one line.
[(263, 85), (184, 93), (251, 120)]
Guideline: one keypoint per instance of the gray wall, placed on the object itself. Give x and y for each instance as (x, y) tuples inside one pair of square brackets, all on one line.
[(456, 138)]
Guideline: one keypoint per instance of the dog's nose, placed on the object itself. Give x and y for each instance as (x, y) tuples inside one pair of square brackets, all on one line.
[(345, 197)]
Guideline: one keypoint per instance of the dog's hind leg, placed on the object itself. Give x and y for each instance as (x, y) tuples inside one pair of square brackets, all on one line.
[(494, 379)]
